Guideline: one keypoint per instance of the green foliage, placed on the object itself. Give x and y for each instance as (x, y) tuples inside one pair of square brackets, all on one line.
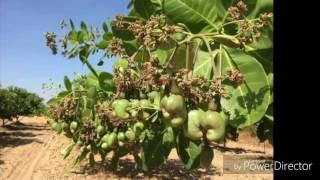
[(186, 70), (15, 102)]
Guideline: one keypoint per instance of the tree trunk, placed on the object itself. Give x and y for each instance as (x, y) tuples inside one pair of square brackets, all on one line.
[(3, 123)]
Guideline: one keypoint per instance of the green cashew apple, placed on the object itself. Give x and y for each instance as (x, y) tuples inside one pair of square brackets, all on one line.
[(104, 146), (145, 103), (57, 127), (112, 138), (134, 102), (65, 127), (154, 97), (121, 136), (174, 108), (193, 129), (100, 130), (215, 125), (105, 138), (130, 135), (137, 128), (120, 143), (74, 125), (119, 107)]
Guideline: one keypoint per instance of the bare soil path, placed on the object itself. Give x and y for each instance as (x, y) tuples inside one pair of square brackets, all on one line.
[(30, 151)]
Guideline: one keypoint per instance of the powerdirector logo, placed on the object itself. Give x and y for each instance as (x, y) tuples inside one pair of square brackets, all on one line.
[(253, 164)]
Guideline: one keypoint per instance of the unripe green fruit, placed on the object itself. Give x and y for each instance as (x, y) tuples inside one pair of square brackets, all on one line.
[(121, 136), (83, 148), (145, 103), (89, 147), (145, 115), (133, 113), (193, 127), (177, 122), (119, 107), (165, 113), (135, 102), (79, 142), (138, 127), (112, 139), (120, 143), (100, 130), (174, 104), (215, 125), (154, 97), (104, 146), (57, 127), (105, 137), (65, 126), (130, 135), (74, 125)]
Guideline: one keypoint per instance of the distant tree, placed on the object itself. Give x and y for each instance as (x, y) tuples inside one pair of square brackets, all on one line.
[(16, 102)]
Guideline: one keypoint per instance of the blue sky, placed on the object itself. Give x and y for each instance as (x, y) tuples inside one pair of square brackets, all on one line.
[(25, 61)]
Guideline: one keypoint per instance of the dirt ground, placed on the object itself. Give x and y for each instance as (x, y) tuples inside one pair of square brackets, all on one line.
[(31, 151)]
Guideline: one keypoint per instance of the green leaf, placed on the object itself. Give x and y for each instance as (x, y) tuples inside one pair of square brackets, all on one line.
[(179, 60), (82, 36), (100, 63), (120, 63), (103, 44), (198, 15), (168, 138), (146, 8), (203, 66), (250, 100), (92, 93), (66, 152), (67, 83), (72, 25), (188, 152), (105, 27), (53, 101), (107, 36), (106, 81), (161, 54), (79, 158), (83, 26)]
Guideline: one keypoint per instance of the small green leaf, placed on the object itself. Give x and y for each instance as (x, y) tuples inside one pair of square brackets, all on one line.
[(103, 44), (105, 27), (72, 25), (79, 158), (83, 26), (100, 63), (67, 83), (66, 152), (120, 63), (106, 81), (107, 36)]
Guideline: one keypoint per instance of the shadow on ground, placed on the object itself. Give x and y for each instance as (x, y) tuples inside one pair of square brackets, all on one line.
[(172, 169)]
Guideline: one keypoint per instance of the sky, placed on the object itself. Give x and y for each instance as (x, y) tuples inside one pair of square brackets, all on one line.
[(25, 61)]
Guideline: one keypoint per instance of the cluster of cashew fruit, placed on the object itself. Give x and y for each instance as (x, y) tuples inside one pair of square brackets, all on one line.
[(196, 123)]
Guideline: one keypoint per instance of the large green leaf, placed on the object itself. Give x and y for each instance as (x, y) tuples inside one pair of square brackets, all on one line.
[(250, 100), (203, 66), (188, 151), (146, 8), (67, 83), (106, 82), (198, 15)]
